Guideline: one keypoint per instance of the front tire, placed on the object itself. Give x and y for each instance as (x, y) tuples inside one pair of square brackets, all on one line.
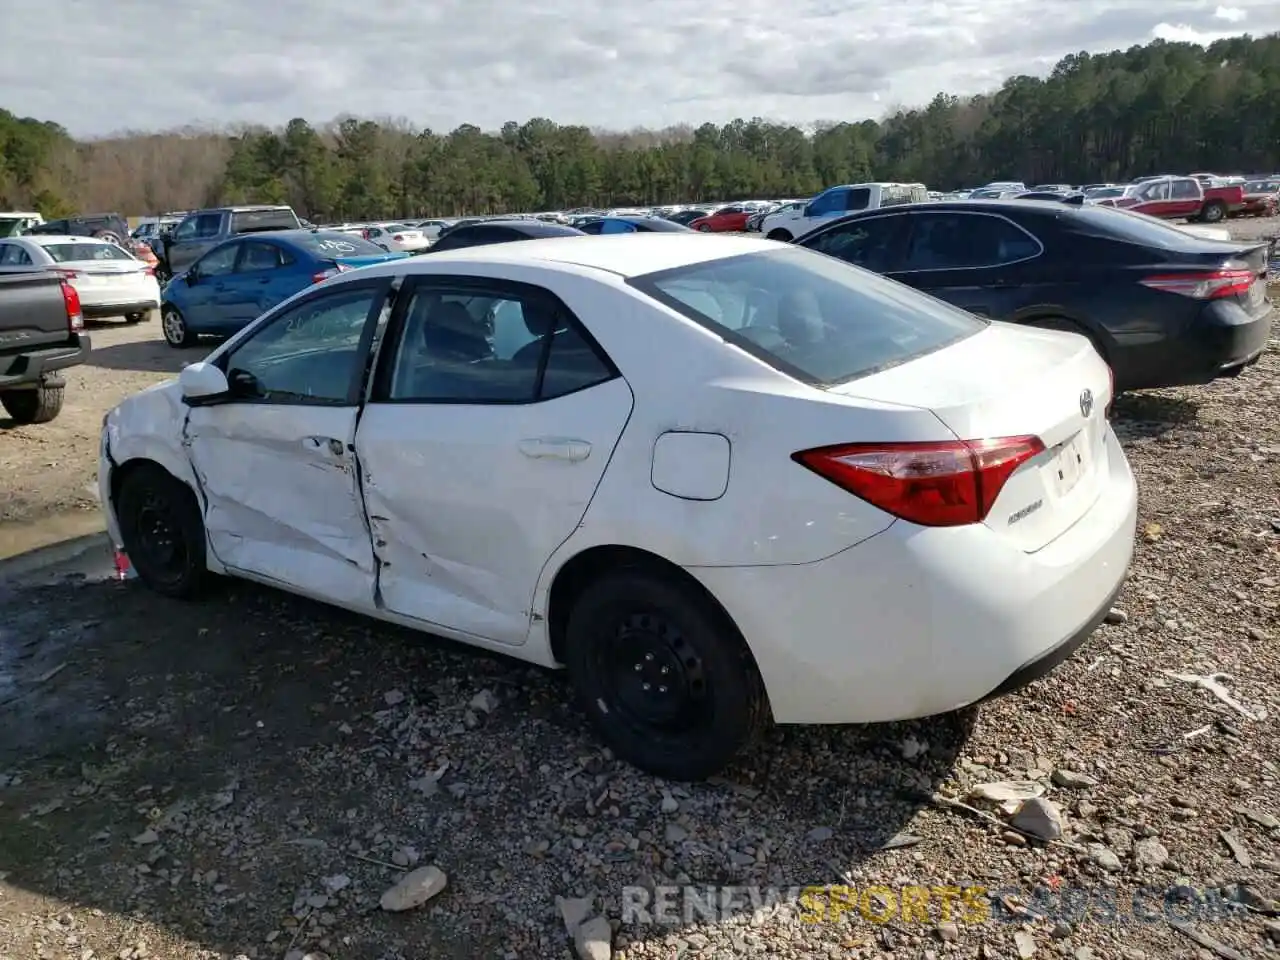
[(663, 675), (782, 236), (174, 327), (162, 532), (703, 228), (33, 406)]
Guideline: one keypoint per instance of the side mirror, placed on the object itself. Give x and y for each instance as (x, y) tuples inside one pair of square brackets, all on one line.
[(202, 381), (191, 276)]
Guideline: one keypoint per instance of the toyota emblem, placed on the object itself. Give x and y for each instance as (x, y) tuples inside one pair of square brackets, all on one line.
[(1086, 403)]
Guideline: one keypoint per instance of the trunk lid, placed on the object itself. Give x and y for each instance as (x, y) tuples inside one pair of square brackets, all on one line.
[(1208, 257), (368, 260), (1013, 381)]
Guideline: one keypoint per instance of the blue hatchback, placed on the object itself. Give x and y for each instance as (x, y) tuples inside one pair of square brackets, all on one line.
[(239, 280)]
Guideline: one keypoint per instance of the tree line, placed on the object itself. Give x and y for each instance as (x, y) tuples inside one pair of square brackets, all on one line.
[(1161, 107)]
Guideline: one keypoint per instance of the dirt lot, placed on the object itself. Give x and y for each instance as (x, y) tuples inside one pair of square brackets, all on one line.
[(246, 776)]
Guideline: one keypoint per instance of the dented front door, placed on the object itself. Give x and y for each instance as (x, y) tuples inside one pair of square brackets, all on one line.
[(275, 459), (282, 496)]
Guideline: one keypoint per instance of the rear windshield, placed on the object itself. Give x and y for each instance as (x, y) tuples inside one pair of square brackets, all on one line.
[(331, 243), (1134, 228), (810, 316), (247, 221), (902, 193), (1262, 186), (67, 252)]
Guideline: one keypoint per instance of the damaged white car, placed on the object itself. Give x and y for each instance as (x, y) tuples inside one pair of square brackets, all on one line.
[(722, 481)]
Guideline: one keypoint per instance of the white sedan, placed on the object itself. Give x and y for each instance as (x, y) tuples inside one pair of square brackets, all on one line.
[(397, 237), (110, 281), (721, 481)]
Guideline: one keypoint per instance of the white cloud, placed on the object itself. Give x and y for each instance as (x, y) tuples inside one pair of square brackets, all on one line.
[(127, 65)]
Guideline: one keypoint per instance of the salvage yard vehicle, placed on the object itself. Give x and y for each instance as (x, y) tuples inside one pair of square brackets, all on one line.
[(110, 281), (1162, 306), (1180, 198), (41, 334), (201, 231), (791, 222), (811, 518), (242, 278)]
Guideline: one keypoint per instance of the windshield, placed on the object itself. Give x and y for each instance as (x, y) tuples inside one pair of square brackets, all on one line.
[(331, 243), (1126, 225), (74, 252), (808, 315), (1103, 192)]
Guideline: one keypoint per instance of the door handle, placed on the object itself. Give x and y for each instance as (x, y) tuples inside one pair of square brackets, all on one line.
[(330, 445), (555, 448)]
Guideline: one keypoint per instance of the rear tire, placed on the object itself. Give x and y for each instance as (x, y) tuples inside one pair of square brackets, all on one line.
[(703, 228), (664, 677), (162, 532), (108, 236), (33, 406), (782, 236), (1214, 212)]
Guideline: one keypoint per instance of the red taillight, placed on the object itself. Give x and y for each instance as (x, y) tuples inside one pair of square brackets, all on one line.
[(1204, 285), (71, 301), (333, 271), (150, 271), (945, 484), (397, 238)]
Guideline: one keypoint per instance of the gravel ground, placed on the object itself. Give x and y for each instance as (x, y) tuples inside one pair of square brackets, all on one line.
[(249, 775)]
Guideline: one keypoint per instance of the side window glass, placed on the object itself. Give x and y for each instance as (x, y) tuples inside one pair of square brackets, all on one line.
[(186, 230), (452, 353), (258, 256), (12, 255), (959, 241), (219, 262), (617, 226), (208, 225), (858, 199), (308, 354), (865, 243), (1186, 190), (828, 202)]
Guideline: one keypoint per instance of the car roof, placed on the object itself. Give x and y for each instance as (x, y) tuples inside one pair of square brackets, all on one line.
[(48, 239), (532, 228), (624, 254)]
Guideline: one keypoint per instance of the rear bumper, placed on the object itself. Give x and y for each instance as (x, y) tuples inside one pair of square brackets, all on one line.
[(39, 365), (914, 622), (96, 311), (1219, 341)]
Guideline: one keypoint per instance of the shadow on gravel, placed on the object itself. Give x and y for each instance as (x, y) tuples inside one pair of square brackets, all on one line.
[(1152, 414), (253, 771), (148, 355)]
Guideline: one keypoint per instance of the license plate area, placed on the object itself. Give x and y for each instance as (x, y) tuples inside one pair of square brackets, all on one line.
[(1069, 462)]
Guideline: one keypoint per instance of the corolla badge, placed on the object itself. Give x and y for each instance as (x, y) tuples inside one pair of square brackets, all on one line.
[(1086, 403)]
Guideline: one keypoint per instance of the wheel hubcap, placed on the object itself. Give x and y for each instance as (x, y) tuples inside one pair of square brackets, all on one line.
[(173, 327), (160, 546), (656, 675)]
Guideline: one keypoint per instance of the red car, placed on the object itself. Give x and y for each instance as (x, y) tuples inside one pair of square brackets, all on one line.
[(1180, 197), (1262, 198), (731, 219)]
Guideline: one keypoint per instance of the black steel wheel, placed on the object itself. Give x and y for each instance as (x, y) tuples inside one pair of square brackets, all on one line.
[(663, 674), (162, 531)]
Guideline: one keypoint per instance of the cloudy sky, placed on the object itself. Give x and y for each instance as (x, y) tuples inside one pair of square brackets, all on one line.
[(98, 66)]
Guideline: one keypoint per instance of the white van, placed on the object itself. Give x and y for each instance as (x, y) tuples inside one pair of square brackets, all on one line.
[(791, 222)]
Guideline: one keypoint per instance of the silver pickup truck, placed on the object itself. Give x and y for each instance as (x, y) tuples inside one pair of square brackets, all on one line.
[(202, 230), (41, 333)]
